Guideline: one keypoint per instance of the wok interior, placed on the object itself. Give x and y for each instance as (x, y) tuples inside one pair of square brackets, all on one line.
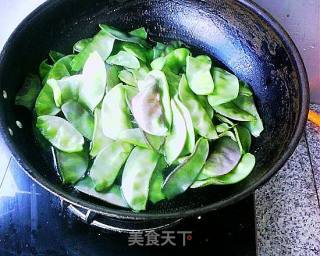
[(236, 37)]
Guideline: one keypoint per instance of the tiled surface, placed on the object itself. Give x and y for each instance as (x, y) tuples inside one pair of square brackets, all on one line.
[(313, 138), (287, 209)]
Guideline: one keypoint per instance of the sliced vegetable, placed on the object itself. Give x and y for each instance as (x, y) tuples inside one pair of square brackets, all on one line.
[(79, 117), (244, 89), (247, 104), (81, 44), (111, 196), (60, 133), (244, 137), (226, 87), (56, 92), (147, 111), (124, 59), (72, 166), (102, 43), (112, 76), (121, 36), (44, 69), (221, 128), (164, 95), (27, 95), (181, 178), (190, 140), (115, 112), (176, 139), (99, 140), (139, 32), (136, 50), (201, 121), (135, 137), (108, 163), (55, 56), (155, 142), (157, 179), (242, 170), (70, 87), (127, 77), (94, 81), (232, 111), (199, 76), (224, 156), (173, 83), (205, 104), (45, 103), (176, 60), (136, 177)]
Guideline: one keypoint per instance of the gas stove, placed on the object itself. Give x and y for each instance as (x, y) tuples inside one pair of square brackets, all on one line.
[(35, 222)]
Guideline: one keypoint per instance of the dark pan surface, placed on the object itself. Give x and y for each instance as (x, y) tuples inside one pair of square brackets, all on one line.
[(239, 35)]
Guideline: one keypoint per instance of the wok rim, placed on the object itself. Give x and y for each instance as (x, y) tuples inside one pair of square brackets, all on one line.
[(122, 214)]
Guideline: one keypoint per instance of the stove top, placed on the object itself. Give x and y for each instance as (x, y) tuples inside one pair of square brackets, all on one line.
[(34, 222)]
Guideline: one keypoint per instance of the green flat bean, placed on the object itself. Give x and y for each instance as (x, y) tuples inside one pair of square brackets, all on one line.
[(80, 118), (70, 87), (72, 166), (55, 56), (108, 163), (147, 111), (115, 112), (44, 69), (157, 179), (181, 178), (199, 76), (134, 136), (223, 158), (81, 44), (190, 140), (47, 98), (121, 36), (255, 126), (111, 196), (99, 140), (244, 89), (113, 72), (124, 59), (27, 95), (139, 52), (60, 133), (242, 170), (232, 111), (127, 77), (139, 32), (101, 43), (176, 139), (226, 87), (136, 177), (244, 138), (201, 121), (94, 81)]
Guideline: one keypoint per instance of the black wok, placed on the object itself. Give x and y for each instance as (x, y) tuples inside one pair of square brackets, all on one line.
[(240, 35)]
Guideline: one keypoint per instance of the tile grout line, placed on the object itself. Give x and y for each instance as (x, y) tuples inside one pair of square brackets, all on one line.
[(312, 169), (255, 223), (5, 174)]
